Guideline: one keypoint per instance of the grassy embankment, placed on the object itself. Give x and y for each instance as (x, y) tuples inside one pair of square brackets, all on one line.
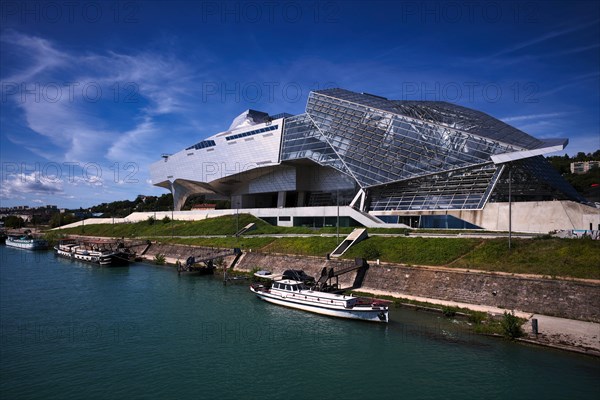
[(549, 257)]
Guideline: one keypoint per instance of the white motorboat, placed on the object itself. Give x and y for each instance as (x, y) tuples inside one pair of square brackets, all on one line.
[(26, 242), (296, 294)]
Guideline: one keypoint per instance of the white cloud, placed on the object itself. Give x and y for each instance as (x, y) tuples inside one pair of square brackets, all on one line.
[(21, 185), (90, 180), (26, 185)]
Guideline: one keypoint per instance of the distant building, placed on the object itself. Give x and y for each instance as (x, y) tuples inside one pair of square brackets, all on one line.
[(582, 167)]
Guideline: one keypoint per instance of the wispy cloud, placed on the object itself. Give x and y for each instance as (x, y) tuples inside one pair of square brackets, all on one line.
[(529, 117), (571, 27), (86, 103), (43, 57), (572, 82)]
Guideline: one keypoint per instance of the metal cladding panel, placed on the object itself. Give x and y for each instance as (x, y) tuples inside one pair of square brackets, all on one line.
[(281, 179), (229, 156)]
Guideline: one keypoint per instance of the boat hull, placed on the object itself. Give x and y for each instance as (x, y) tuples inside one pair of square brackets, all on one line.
[(373, 314), (26, 244), (106, 260)]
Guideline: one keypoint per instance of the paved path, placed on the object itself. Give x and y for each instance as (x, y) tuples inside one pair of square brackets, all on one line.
[(562, 333), (565, 332)]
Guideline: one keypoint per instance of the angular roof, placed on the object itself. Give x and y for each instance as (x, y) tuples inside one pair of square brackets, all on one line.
[(248, 118), (442, 113)]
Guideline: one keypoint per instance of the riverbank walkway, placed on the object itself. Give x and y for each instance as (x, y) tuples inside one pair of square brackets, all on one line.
[(562, 333)]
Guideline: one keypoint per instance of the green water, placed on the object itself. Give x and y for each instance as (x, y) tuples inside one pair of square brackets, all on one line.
[(75, 331)]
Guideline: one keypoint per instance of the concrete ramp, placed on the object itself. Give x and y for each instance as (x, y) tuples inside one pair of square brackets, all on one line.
[(356, 236), (245, 229)]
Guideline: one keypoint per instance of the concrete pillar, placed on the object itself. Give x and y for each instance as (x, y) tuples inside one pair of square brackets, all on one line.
[(180, 195), (281, 199), (301, 199)]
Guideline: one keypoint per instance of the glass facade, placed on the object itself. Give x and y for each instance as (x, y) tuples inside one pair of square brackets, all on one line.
[(534, 179), (410, 155), (202, 145), (302, 140), (251, 133), (463, 189)]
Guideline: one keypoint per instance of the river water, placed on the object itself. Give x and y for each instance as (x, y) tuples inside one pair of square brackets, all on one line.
[(74, 331)]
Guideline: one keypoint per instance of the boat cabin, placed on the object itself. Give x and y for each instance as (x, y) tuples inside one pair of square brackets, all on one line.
[(289, 285)]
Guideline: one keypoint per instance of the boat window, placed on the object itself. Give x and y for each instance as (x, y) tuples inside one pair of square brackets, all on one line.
[(288, 287)]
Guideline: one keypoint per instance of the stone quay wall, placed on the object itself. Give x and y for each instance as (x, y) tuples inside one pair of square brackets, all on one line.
[(573, 299), (566, 298)]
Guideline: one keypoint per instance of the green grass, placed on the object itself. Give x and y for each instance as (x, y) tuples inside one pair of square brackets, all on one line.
[(308, 246), (245, 243), (575, 258), (418, 251), (549, 257), (225, 225)]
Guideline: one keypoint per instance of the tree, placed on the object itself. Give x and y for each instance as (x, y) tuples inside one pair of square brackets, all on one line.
[(12, 221), (55, 220), (62, 219)]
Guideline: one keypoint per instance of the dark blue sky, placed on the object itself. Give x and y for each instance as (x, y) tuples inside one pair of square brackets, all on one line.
[(93, 92)]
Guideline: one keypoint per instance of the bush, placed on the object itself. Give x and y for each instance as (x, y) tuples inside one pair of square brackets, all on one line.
[(151, 220), (477, 317), (511, 326), (449, 312), (53, 237), (159, 259), (166, 220)]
